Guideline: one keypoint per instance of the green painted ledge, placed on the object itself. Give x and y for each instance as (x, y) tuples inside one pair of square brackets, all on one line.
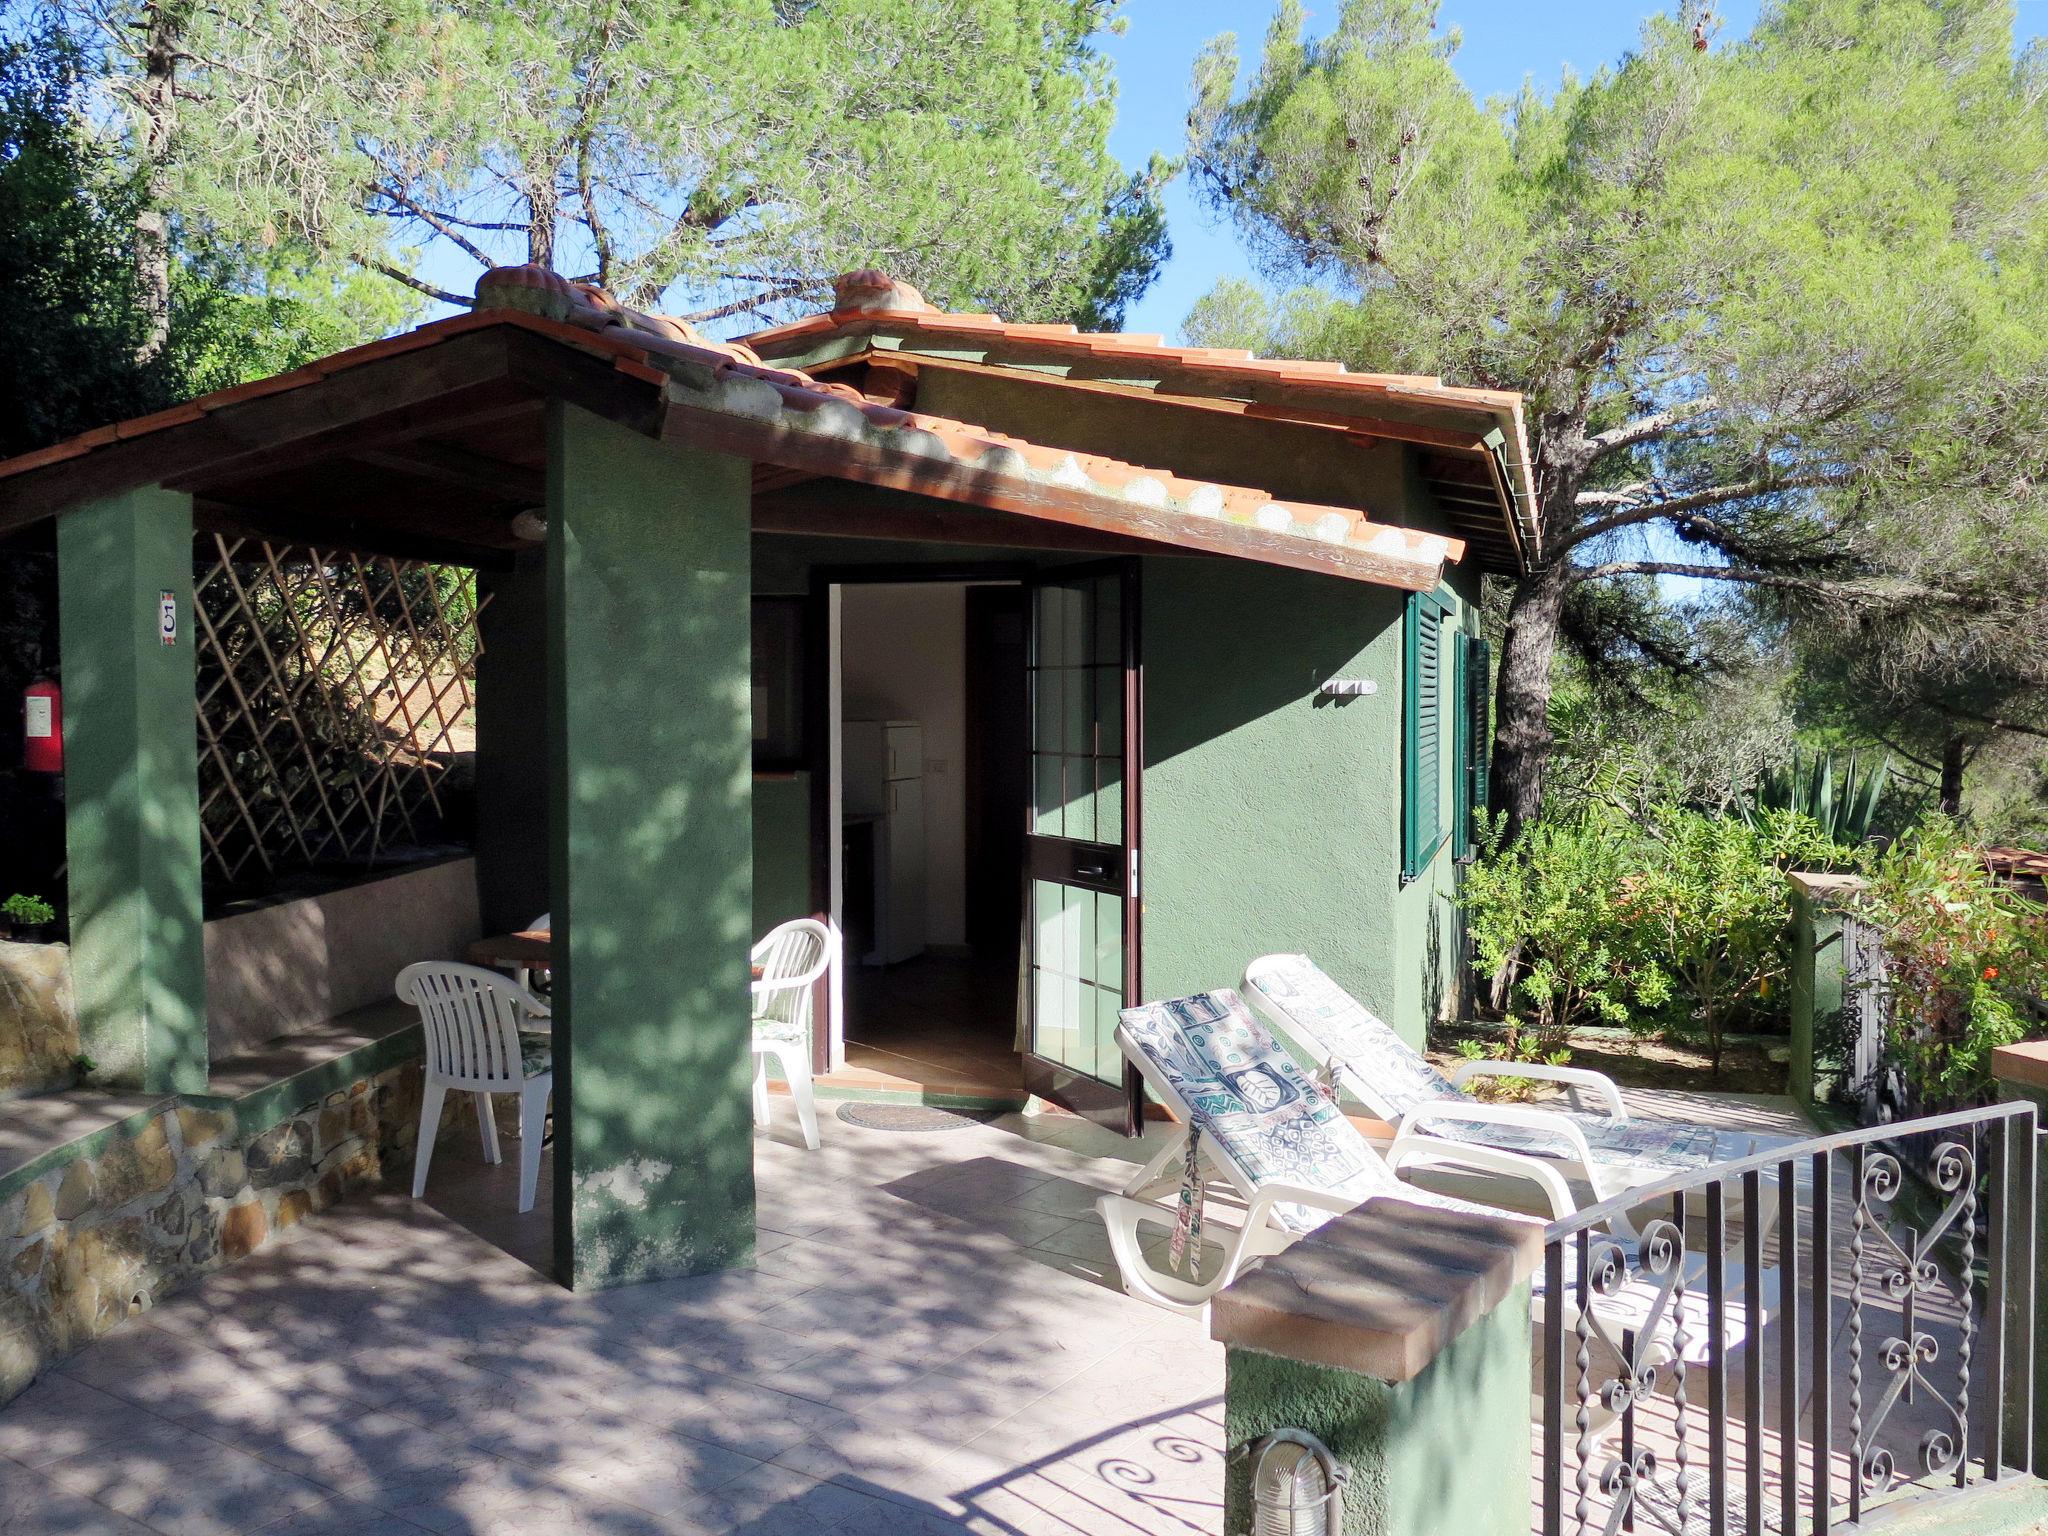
[(90, 1144), (255, 1110), (282, 1097), (2012, 1506)]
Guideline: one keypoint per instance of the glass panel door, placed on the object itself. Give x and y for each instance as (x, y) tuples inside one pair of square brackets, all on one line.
[(1080, 846)]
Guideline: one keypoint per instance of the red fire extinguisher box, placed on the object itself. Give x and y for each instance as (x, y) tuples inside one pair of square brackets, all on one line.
[(42, 727)]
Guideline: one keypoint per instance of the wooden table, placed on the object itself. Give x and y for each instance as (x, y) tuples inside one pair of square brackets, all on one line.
[(530, 949)]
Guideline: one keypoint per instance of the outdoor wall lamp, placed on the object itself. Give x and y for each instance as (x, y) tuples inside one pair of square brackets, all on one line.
[(1297, 1486)]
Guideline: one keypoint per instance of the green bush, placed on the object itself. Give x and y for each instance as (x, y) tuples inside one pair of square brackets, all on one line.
[(1966, 962), (1712, 909), (1548, 922), (1672, 922)]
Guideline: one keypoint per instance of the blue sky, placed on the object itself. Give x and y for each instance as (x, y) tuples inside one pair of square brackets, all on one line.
[(1504, 42)]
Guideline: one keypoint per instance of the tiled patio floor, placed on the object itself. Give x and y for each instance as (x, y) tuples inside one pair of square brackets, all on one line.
[(926, 1344), (932, 1339)]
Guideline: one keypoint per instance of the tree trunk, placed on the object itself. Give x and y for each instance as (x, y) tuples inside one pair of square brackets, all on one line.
[(543, 206), (1521, 743), (1952, 761), (163, 39)]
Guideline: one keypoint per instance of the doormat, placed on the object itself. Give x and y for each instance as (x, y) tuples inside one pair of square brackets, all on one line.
[(911, 1117)]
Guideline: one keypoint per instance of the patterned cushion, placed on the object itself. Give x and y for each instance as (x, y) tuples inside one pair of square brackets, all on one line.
[(1248, 1096), (1388, 1074), (1650, 1148), (783, 1030), (536, 1055), (1391, 1078)]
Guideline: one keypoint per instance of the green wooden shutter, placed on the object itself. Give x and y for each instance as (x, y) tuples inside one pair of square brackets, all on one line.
[(1461, 748), (1475, 687), (1421, 735)]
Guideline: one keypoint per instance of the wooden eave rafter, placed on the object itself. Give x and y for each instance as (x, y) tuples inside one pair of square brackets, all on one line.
[(1496, 535), (1376, 406)]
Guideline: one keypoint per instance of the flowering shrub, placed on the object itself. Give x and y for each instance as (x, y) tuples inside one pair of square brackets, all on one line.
[(1711, 909), (1966, 962)]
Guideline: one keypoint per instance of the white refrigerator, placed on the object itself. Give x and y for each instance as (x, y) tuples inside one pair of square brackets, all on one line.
[(883, 768)]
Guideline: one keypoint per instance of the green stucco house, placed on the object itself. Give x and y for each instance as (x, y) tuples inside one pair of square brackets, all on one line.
[(1059, 670)]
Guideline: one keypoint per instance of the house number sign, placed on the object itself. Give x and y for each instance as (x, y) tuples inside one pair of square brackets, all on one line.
[(167, 617)]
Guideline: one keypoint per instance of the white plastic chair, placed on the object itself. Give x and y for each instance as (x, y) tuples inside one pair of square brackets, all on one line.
[(792, 957), (471, 1019)]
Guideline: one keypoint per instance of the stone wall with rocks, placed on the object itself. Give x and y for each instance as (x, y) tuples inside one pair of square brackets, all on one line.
[(102, 1237), (38, 1025)]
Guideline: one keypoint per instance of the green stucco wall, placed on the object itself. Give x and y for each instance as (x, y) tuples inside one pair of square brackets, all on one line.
[(1814, 990), (131, 759), (651, 824), (782, 850), (1272, 817), (1447, 1454), (2024, 1093), (512, 746)]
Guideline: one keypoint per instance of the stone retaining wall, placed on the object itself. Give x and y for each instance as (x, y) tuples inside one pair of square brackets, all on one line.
[(102, 1237), (38, 1024)]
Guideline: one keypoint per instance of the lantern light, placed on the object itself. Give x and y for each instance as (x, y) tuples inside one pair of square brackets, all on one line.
[(1297, 1486)]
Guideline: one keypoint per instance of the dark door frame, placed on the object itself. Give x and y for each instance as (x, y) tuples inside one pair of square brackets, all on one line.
[(1119, 1107)]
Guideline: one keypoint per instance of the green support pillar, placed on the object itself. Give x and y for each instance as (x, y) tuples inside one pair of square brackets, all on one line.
[(1400, 1338), (131, 790), (651, 840), (1817, 976), (2021, 1073)]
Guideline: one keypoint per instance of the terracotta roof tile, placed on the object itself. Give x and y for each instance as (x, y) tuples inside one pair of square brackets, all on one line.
[(156, 421), (56, 453), (733, 378), (634, 368), (868, 300)]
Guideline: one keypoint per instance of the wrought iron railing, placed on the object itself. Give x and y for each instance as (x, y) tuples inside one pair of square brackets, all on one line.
[(1787, 1341)]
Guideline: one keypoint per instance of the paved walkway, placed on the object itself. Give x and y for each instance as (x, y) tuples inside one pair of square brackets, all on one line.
[(933, 1339)]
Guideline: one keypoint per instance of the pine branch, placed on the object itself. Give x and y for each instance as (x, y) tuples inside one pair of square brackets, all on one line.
[(782, 288), (1997, 723), (446, 231), (397, 275), (1644, 428), (1737, 573), (1633, 510)]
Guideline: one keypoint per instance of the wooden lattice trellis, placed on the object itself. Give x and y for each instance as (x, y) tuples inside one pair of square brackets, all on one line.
[(328, 684)]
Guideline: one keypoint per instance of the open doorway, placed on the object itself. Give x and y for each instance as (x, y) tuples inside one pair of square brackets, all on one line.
[(934, 785)]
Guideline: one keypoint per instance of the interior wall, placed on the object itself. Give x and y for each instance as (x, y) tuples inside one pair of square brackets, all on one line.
[(905, 649)]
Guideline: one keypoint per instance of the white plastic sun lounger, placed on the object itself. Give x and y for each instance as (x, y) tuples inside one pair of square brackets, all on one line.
[(1610, 1152), (1272, 1134), (1269, 1133)]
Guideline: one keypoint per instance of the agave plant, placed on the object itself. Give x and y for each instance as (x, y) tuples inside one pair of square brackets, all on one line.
[(1842, 798)]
